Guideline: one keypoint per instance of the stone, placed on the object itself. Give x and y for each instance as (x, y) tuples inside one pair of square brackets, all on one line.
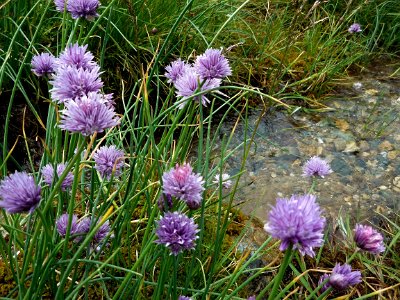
[(363, 145), (340, 144), (392, 154), (341, 167), (385, 146), (351, 147)]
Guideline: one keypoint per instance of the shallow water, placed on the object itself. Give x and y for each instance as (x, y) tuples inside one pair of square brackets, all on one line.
[(359, 138)]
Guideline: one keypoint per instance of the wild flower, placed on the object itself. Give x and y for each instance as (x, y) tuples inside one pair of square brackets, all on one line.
[(83, 8), (316, 166), (355, 28), (175, 70), (177, 232), (107, 159), (190, 83), (19, 193), (212, 64), (341, 278), (48, 175), (297, 221), (184, 298), (43, 64), (62, 224), (368, 239), (84, 228), (225, 180), (165, 202), (252, 297), (182, 183), (71, 83), (87, 115), (77, 56), (60, 5)]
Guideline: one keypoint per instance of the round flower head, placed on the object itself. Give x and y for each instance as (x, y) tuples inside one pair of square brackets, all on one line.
[(71, 83), (88, 115), (341, 278), (177, 232), (43, 64), (368, 239), (297, 221), (252, 298), (316, 166), (60, 5), (182, 183), (107, 159), (19, 193), (175, 70), (189, 84), (226, 182), (184, 298), (355, 28), (164, 202), (83, 8), (48, 175), (77, 56), (62, 224), (212, 64), (84, 228)]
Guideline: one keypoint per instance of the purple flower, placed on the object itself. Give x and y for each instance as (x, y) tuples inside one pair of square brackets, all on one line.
[(316, 166), (84, 227), (107, 159), (71, 83), (88, 115), (297, 221), (252, 298), (62, 224), (225, 180), (182, 183), (164, 202), (177, 232), (368, 239), (77, 56), (83, 8), (189, 83), (19, 193), (43, 64), (212, 64), (355, 28), (60, 5), (48, 175), (175, 70), (184, 298), (341, 278)]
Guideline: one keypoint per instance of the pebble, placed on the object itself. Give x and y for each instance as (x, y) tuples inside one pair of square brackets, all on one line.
[(273, 175), (385, 146)]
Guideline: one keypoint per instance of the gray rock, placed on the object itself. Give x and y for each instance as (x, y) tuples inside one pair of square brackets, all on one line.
[(341, 167)]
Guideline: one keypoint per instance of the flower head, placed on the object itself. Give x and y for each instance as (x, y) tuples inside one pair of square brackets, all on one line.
[(62, 224), (368, 239), (107, 159), (60, 5), (88, 115), (48, 175), (212, 64), (225, 180), (297, 221), (83, 8), (177, 232), (182, 183), (341, 278), (43, 64), (84, 228), (316, 166), (184, 298), (175, 70), (190, 83), (19, 193), (77, 56), (355, 28), (71, 83), (164, 202), (252, 298)]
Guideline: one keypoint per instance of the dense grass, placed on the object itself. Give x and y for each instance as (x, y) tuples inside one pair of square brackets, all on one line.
[(283, 53)]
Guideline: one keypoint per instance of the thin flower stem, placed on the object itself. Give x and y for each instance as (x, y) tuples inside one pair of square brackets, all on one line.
[(278, 279)]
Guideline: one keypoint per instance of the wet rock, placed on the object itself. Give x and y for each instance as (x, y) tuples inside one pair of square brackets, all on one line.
[(341, 167), (340, 144), (351, 147), (385, 146), (364, 146), (392, 155)]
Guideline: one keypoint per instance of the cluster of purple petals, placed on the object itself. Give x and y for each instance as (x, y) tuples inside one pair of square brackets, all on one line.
[(180, 182), (225, 180), (19, 193), (165, 202), (62, 225), (43, 64), (205, 74), (298, 222), (355, 28), (79, 8), (87, 115), (368, 239), (341, 278), (252, 298), (184, 298), (109, 159), (316, 166), (77, 56), (177, 232), (48, 175)]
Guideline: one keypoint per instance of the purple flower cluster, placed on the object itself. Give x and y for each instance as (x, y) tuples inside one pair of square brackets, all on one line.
[(316, 166), (355, 28), (79, 8), (62, 225), (177, 232), (341, 278), (109, 159), (43, 64), (225, 180), (184, 298), (205, 74), (19, 193), (48, 175), (180, 182), (298, 222), (368, 239)]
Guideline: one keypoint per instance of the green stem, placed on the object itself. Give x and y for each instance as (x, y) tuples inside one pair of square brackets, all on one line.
[(278, 279)]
